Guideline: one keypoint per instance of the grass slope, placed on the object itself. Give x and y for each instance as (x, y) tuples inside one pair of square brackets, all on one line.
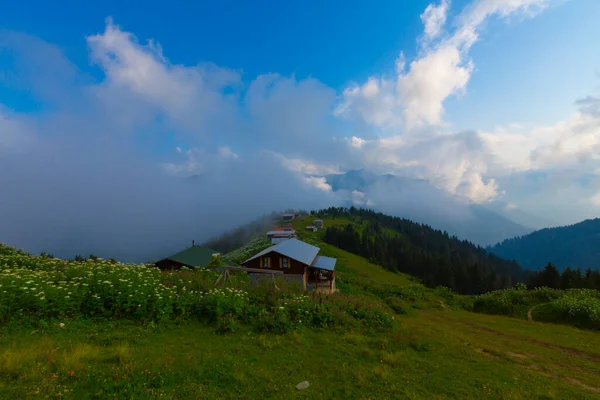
[(432, 355), (436, 352)]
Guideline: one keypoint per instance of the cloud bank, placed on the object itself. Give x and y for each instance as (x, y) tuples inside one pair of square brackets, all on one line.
[(148, 154), (94, 176)]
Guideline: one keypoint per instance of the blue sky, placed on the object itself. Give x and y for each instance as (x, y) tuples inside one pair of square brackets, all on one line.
[(337, 41), (479, 97), (340, 42)]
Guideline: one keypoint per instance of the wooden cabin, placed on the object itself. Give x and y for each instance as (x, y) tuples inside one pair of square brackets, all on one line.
[(299, 261), (279, 235), (288, 217)]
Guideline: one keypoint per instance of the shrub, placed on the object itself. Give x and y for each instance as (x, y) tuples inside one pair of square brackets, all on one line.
[(399, 306), (576, 306), (580, 306), (43, 289)]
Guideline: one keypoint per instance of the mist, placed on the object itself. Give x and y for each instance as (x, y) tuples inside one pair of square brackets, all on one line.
[(420, 201), (103, 170), (136, 156)]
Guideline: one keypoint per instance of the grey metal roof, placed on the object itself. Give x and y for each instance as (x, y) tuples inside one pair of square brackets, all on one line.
[(277, 240), (323, 262), (292, 248)]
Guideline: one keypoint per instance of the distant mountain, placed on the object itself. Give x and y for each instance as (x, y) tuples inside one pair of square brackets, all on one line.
[(520, 217), (418, 200), (574, 246)]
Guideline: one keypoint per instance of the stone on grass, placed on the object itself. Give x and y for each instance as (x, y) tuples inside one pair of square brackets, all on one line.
[(302, 385)]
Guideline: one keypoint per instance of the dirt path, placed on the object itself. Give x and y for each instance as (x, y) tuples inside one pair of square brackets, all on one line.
[(529, 316), (569, 350), (527, 360)]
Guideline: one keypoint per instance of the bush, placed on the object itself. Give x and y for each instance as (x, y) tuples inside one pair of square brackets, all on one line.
[(575, 306), (399, 306), (43, 289), (579, 306)]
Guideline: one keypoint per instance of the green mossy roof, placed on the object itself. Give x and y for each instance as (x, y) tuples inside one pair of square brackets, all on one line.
[(195, 256)]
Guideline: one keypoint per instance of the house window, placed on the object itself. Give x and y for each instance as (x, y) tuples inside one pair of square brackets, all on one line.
[(265, 262), (285, 262)]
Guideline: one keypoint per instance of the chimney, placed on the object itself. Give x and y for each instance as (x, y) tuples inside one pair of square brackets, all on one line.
[(193, 243)]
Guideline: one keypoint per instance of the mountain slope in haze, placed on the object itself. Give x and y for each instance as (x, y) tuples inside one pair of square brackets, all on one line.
[(575, 246), (519, 216), (418, 200)]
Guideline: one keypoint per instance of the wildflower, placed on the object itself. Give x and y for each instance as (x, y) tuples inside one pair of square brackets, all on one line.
[(61, 325)]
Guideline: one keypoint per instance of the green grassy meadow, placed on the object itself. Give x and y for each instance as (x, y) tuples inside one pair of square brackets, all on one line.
[(435, 349), (434, 354)]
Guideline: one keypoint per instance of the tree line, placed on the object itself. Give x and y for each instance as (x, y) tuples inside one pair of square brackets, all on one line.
[(570, 278), (401, 245), (434, 256)]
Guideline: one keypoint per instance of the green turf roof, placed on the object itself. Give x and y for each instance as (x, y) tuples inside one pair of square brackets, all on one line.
[(195, 256)]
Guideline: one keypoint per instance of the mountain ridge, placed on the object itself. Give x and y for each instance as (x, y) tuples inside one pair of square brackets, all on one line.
[(575, 245), (420, 201)]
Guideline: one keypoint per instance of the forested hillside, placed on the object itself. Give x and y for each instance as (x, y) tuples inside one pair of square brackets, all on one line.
[(434, 256), (575, 246)]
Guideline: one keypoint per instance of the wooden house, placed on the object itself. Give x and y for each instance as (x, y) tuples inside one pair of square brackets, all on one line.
[(195, 256), (318, 223), (299, 261), (277, 236), (288, 217)]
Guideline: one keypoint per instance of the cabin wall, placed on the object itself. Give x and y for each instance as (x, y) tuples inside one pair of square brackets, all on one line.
[(258, 279), (296, 267)]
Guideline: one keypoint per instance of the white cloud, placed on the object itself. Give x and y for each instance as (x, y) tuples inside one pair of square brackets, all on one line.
[(135, 73), (430, 80), (318, 182), (357, 142), (412, 101), (457, 163), (288, 109), (199, 161), (146, 203), (415, 98), (16, 136), (290, 118), (226, 152), (374, 102), (434, 18), (595, 199), (194, 163), (574, 142), (359, 198), (304, 166)]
